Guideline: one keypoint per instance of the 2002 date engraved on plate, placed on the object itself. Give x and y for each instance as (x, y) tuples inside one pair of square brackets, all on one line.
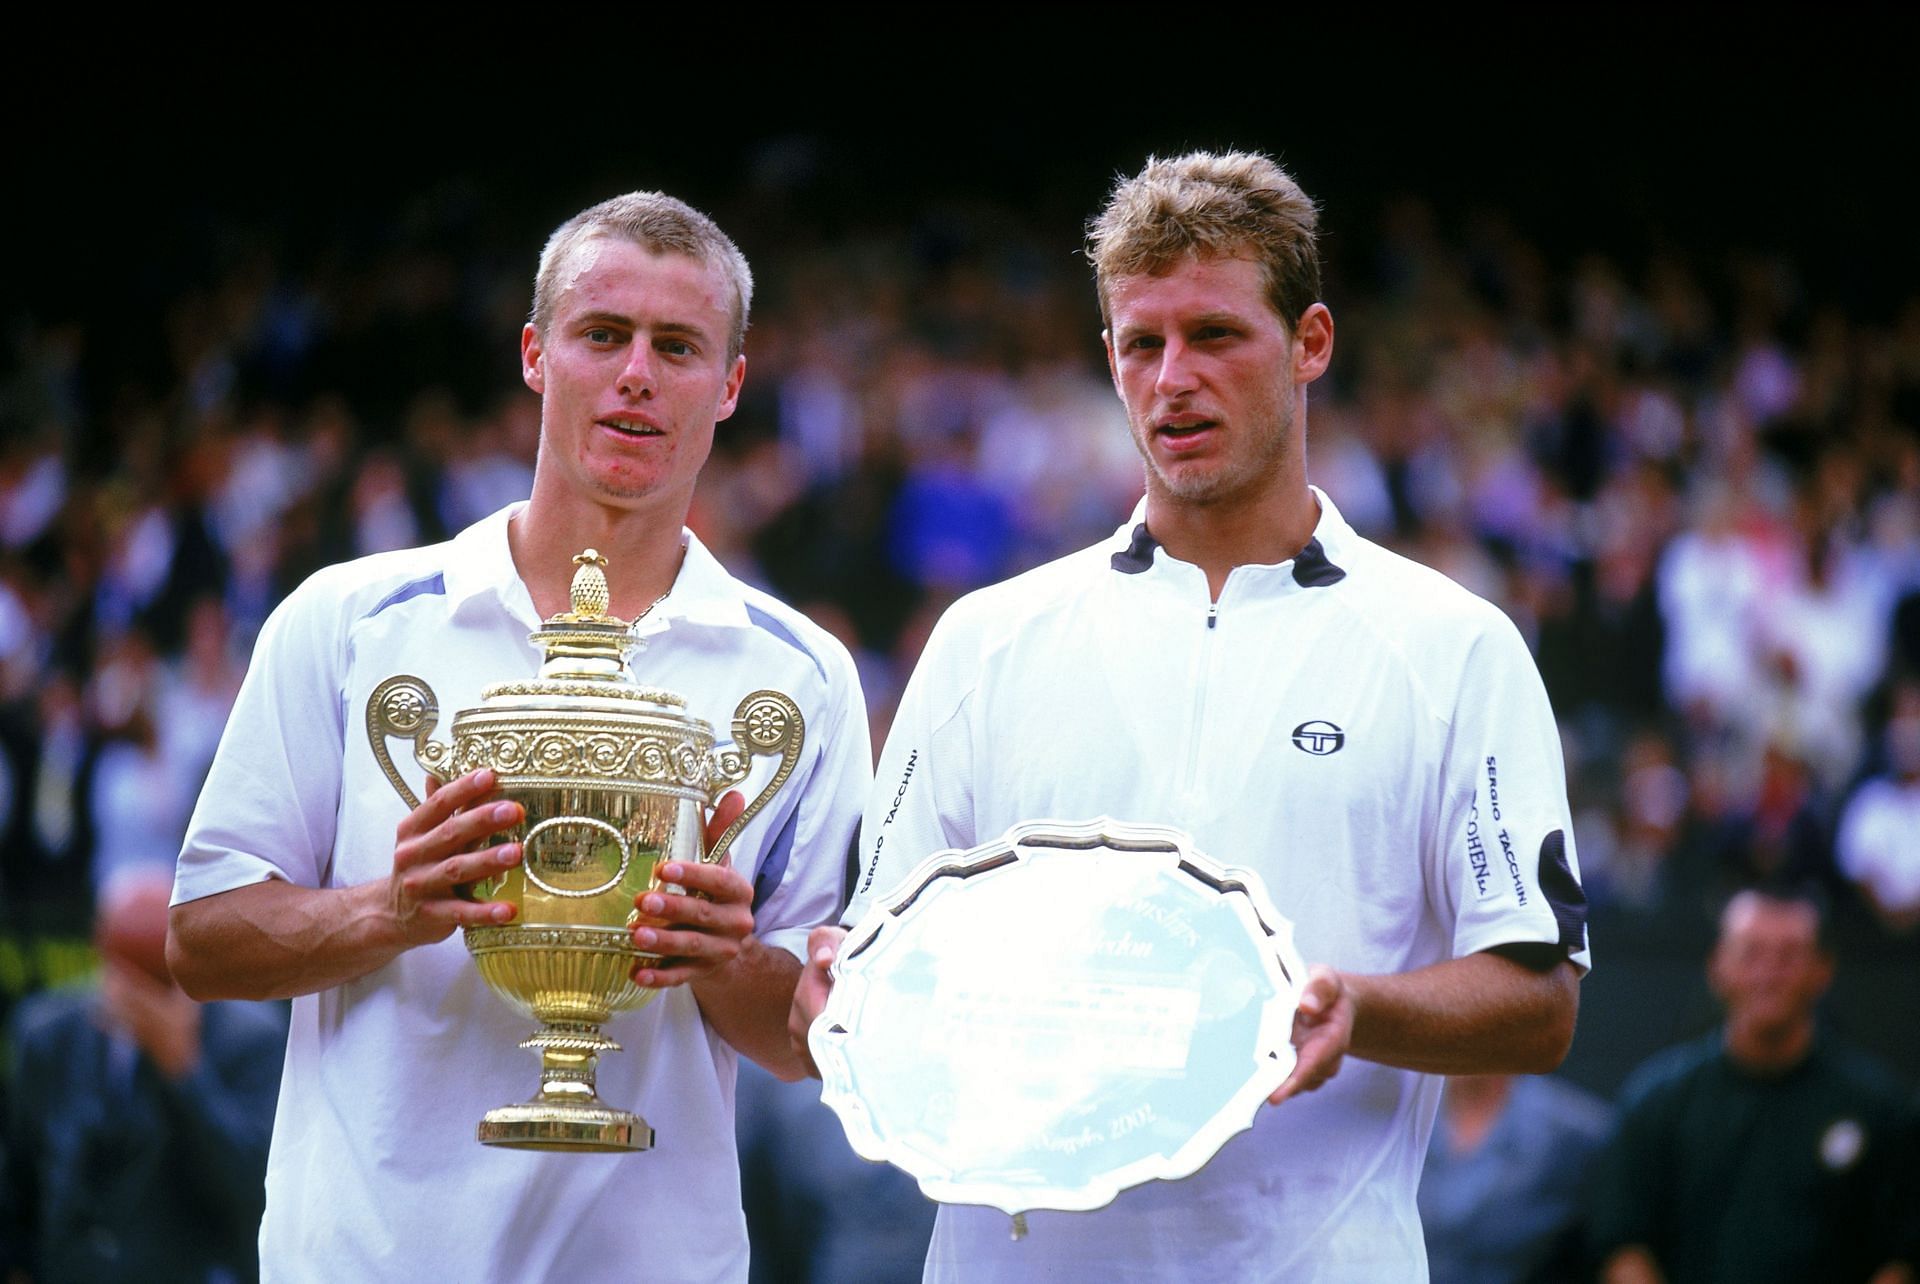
[(1045, 1020)]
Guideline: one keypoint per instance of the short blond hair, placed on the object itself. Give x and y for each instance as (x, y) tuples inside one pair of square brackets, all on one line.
[(1209, 205), (657, 222)]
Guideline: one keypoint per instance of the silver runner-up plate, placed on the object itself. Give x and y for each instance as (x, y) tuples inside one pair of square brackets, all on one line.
[(1046, 1020)]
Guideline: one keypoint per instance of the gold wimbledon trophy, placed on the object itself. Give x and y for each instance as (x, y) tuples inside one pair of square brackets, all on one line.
[(614, 779)]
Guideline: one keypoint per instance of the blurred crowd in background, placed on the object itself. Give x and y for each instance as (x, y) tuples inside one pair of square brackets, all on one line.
[(1690, 478), (1694, 485)]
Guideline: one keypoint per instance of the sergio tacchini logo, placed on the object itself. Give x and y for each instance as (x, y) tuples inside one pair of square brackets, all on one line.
[(1319, 738)]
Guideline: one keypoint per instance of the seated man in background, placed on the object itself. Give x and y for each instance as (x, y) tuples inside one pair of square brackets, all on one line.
[(1506, 1179), (137, 1120), (1767, 1150)]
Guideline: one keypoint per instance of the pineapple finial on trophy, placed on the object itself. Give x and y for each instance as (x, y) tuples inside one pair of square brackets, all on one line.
[(589, 592), (586, 643)]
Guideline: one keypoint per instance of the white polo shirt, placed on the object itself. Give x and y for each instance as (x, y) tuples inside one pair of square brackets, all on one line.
[(1369, 736), (374, 1171)]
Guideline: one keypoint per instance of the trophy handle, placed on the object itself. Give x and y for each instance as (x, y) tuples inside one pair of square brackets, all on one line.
[(404, 705), (766, 723)]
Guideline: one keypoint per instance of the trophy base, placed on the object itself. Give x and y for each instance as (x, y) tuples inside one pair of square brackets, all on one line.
[(540, 1125)]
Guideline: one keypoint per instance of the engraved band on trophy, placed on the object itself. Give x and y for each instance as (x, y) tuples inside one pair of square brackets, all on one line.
[(614, 779), (1047, 1019)]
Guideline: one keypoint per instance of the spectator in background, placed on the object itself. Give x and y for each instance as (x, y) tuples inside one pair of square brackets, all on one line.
[(46, 823), (1505, 1184), (819, 1213), (136, 1120), (950, 531), (1766, 1151), (1710, 584), (1879, 841), (195, 694), (137, 818), (1632, 866)]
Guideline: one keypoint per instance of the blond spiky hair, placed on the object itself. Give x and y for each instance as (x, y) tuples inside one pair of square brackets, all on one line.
[(1210, 205), (663, 225)]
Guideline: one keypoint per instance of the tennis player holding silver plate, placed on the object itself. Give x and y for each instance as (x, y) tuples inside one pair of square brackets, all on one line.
[(1237, 659), (1045, 1020)]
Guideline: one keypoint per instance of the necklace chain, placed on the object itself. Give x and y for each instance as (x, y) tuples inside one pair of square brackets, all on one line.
[(656, 601)]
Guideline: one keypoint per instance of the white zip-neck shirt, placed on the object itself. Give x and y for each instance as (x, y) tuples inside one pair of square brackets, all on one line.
[(374, 1172), (1368, 735)]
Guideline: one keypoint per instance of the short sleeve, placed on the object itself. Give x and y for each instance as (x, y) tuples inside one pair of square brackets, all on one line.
[(272, 797), (812, 846), (1507, 860)]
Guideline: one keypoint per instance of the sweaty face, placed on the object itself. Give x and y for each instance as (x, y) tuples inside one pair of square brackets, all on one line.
[(1206, 369), (632, 371), (1768, 967)]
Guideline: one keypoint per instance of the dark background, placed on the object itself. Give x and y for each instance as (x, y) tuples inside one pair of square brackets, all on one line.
[(1626, 131)]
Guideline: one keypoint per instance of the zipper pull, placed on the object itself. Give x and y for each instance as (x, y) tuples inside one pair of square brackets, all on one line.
[(1213, 614)]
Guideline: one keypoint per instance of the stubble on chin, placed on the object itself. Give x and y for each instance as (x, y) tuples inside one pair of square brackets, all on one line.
[(1204, 483)]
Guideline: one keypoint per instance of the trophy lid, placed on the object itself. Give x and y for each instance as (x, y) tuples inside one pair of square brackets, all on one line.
[(585, 649)]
